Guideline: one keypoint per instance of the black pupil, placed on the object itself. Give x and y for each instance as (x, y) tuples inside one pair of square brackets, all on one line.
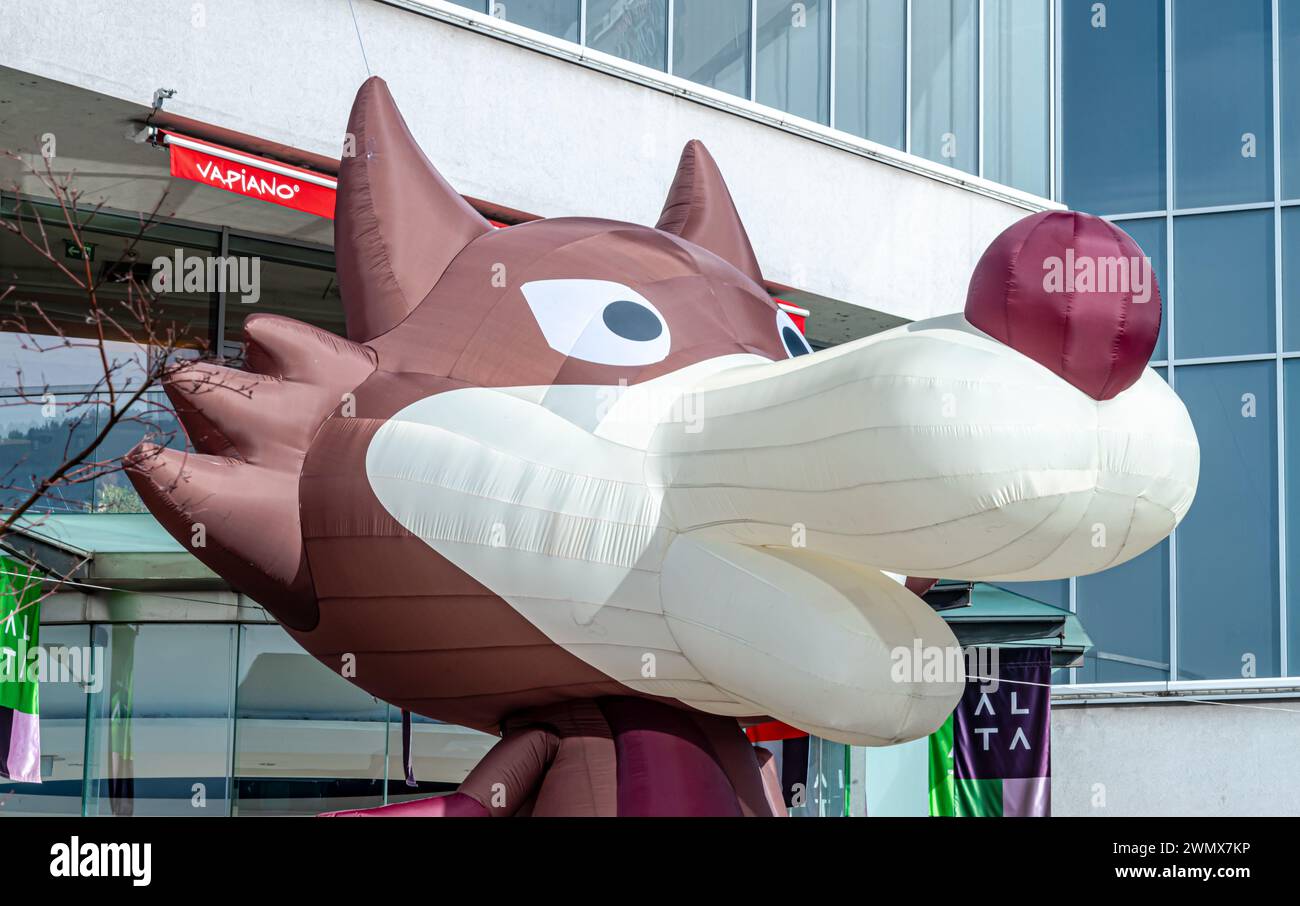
[(794, 342), (632, 321)]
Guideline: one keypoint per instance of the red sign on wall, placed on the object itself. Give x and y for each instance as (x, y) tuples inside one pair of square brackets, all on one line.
[(250, 176)]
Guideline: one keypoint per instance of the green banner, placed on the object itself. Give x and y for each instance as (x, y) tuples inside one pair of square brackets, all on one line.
[(20, 623)]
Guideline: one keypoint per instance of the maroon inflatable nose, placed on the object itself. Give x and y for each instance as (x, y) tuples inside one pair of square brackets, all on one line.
[(1075, 294)]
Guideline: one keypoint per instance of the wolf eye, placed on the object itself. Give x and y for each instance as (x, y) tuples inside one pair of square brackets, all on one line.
[(791, 338), (598, 321)]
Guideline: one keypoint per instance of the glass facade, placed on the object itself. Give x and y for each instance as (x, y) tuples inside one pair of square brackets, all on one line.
[(965, 83), (636, 30), (204, 720), (1194, 169), (1113, 105), (945, 82), (51, 393), (794, 57), (871, 69)]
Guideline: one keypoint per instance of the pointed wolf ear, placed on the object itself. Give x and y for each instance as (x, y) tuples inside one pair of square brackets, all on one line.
[(699, 208), (397, 223)]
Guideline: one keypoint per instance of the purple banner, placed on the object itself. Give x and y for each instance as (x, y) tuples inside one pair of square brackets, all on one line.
[(1002, 731)]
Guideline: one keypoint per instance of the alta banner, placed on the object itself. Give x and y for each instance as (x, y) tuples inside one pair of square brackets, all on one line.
[(250, 176), (992, 757)]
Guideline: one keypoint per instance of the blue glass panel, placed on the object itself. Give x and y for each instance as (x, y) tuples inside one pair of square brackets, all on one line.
[(1291, 279), (1223, 102), (711, 43), (1289, 48), (635, 30), (1228, 617), (945, 81), (794, 57), (1292, 390), (1149, 234), (1113, 105), (1223, 284), (871, 69), (1125, 610), (1016, 83)]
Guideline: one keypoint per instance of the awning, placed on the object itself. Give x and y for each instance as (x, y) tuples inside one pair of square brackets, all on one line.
[(1005, 619), (109, 550), (249, 175)]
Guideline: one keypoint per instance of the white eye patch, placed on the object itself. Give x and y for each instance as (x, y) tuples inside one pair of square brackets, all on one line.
[(598, 321)]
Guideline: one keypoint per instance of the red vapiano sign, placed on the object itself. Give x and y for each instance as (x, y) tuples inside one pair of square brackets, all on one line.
[(250, 176)]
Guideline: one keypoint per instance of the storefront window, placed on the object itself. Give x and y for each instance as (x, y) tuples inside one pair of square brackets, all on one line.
[(1223, 284), (711, 43), (1113, 100), (442, 755), (794, 57), (871, 69), (1223, 102), (945, 82), (296, 282), (1228, 544), (63, 727), (635, 30), (307, 740), (161, 725), (1016, 93)]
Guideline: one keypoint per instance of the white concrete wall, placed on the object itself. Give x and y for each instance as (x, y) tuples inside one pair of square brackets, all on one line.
[(523, 129), (1176, 759)]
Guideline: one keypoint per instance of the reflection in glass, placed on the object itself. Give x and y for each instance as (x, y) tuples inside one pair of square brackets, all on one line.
[(794, 57), (871, 69), (160, 729), (1228, 545), (442, 755), (945, 81), (635, 30), (63, 727), (307, 740), (1149, 234), (554, 17), (37, 438), (1015, 93), (1113, 106), (58, 348), (1125, 611), (1223, 284), (828, 780), (1223, 102), (711, 43)]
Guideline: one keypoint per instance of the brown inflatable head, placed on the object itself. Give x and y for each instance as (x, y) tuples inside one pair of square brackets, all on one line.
[(275, 497)]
